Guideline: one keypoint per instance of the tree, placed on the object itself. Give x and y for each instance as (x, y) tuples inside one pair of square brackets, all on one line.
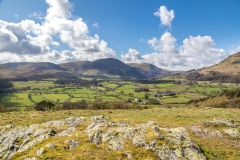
[(44, 106), (146, 96), (2, 109)]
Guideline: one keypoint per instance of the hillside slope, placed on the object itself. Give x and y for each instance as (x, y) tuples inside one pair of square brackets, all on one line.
[(226, 71), (230, 65), (33, 66), (150, 70), (32, 70)]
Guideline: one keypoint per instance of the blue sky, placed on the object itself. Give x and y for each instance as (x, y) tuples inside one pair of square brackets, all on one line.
[(181, 35)]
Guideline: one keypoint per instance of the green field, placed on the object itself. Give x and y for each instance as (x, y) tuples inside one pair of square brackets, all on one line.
[(108, 91), (16, 100)]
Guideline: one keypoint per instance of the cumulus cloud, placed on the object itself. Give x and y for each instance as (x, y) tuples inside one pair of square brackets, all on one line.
[(195, 52), (235, 49), (13, 39), (95, 25), (132, 56), (37, 15), (16, 15), (33, 40), (166, 16)]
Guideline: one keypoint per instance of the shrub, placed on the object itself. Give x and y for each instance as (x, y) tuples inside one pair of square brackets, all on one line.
[(44, 106), (2, 109), (142, 89)]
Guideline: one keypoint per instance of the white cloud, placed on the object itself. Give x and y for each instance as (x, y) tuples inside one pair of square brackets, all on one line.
[(238, 49), (58, 9), (55, 44), (165, 44), (235, 49), (16, 15), (195, 52), (37, 15), (166, 16), (132, 56), (31, 41), (95, 25), (14, 39)]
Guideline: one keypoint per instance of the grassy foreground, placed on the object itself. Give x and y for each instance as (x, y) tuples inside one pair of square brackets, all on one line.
[(214, 148)]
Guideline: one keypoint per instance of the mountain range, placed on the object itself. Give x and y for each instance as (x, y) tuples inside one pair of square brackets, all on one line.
[(110, 66)]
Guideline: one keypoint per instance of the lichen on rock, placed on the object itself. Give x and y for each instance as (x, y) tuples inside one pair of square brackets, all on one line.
[(166, 143)]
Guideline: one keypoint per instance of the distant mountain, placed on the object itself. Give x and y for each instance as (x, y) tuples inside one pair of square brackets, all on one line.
[(109, 66), (150, 70), (226, 71), (31, 70), (34, 66), (103, 66), (76, 67)]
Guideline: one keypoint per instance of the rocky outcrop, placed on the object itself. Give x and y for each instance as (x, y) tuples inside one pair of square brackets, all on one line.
[(222, 122), (167, 144), (235, 133), (218, 128)]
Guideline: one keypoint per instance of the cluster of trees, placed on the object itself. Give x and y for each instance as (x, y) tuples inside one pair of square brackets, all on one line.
[(213, 76), (227, 99), (44, 106), (5, 84), (79, 82), (142, 89), (83, 104), (235, 93), (153, 81)]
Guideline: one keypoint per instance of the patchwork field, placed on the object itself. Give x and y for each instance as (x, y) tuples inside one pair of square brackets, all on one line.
[(106, 91)]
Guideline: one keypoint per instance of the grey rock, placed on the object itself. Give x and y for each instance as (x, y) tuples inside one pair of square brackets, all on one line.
[(108, 136), (98, 117), (94, 126), (73, 121), (73, 143), (40, 152), (222, 122), (67, 132), (235, 133), (3, 151), (205, 133), (159, 135), (47, 131), (128, 132), (122, 124), (151, 123), (140, 141), (112, 124), (175, 143), (153, 144), (10, 126), (33, 158), (27, 145), (116, 144), (129, 155), (194, 153), (51, 146), (95, 136), (163, 152)]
